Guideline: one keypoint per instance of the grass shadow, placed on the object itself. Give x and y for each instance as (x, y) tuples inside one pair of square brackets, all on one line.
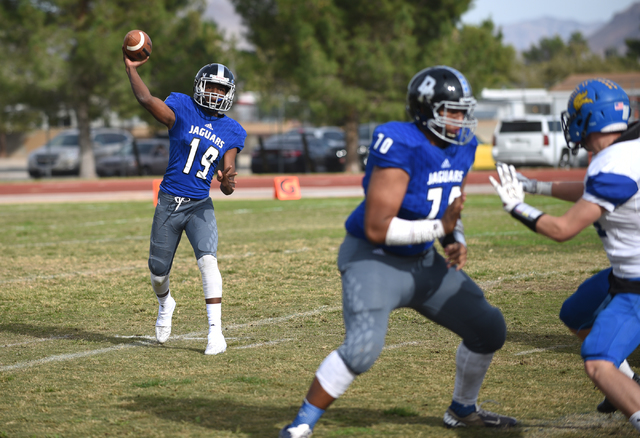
[(259, 420)]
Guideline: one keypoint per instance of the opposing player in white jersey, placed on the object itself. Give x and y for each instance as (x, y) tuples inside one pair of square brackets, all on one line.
[(413, 184), (605, 310), (200, 136)]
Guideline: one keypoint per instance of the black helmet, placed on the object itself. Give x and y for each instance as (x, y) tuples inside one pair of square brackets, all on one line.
[(442, 88), (217, 74)]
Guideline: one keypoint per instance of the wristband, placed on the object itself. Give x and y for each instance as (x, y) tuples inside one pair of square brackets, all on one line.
[(403, 232), (527, 214), (456, 236)]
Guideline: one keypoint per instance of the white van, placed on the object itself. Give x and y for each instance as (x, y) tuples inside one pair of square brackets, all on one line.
[(534, 140)]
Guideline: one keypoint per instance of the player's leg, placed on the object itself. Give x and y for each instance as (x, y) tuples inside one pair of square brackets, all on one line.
[(202, 232), (614, 335), (164, 241), (580, 310), (450, 298), (371, 288)]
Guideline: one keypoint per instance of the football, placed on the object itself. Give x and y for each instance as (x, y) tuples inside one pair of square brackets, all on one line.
[(137, 45)]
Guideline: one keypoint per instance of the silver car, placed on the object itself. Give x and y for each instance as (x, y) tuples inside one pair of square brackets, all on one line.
[(61, 155), (152, 157)]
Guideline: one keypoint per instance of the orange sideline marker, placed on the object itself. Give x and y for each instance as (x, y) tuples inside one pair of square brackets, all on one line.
[(286, 187), (156, 188)]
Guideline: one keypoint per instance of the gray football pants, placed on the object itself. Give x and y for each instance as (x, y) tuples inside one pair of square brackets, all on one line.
[(195, 217), (374, 283)]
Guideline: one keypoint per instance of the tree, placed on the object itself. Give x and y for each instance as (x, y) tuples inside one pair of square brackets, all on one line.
[(553, 60), (74, 54), (350, 60), (479, 53)]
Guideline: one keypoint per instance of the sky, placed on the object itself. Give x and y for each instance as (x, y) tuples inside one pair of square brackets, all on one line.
[(512, 11), (502, 12)]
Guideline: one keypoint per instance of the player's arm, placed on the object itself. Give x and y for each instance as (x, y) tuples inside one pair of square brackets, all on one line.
[(582, 214), (385, 193), (454, 243), (577, 218), (155, 106), (565, 190), (227, 176)]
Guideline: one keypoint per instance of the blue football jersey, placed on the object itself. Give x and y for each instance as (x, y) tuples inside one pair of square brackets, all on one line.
[(197, 143), (435, 176)]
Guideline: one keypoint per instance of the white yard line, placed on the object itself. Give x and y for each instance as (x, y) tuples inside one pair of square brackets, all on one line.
[(144, 341), (540, 350)]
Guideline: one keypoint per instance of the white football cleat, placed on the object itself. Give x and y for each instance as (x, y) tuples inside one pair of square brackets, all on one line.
[(300, 431), (163, 323), (215, 341), (162, 333)]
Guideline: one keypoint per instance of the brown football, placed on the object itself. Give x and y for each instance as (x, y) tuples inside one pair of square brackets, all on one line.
[(137, 45)]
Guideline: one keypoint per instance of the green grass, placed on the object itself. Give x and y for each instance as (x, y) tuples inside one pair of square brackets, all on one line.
[(77, 357)]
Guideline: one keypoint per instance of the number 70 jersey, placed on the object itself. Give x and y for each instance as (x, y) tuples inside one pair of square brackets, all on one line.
[(198, 142), (435, 175)]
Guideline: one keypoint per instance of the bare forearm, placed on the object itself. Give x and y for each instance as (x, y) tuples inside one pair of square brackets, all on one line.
[(567, 190), (140, 90)]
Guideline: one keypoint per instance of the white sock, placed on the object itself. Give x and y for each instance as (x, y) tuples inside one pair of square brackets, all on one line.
[(626, 369), (165, 311), (214, 315), (470, 371), (163, 300), (635, 420)]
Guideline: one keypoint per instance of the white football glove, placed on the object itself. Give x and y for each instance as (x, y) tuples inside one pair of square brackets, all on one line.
[(509, 189)]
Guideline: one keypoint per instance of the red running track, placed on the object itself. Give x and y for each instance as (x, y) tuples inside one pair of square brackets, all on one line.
[(309, 181)]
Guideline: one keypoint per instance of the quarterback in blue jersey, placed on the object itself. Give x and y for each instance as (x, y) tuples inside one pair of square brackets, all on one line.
[(413, 185), (605, 310), (202, 138)]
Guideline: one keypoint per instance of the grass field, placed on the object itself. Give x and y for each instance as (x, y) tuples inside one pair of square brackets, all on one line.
[(78, 356)]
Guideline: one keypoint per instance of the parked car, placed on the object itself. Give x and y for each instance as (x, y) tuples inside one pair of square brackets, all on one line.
[(153, 154), (284, 153), (61, 155), (534, 140)]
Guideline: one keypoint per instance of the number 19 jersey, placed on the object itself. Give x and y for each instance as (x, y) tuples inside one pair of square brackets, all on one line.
[(197, 143), (435, 176)]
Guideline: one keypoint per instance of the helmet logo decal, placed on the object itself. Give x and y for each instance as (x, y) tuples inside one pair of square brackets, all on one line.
[(581, 99), (426, 89), (609, 84)]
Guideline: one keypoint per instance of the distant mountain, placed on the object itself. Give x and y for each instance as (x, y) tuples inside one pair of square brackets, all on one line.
[(524, 34), (600, 35), (624, 25)]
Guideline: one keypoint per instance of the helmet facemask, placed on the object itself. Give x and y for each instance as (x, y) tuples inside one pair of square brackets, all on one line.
[(438, 124), (210, 100)]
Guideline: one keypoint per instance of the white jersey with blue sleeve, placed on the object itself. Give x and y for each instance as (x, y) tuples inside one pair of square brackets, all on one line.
[(612, 182), (435, 176), (198, 141)]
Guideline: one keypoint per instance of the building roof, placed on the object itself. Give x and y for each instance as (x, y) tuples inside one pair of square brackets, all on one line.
[(630, 82)]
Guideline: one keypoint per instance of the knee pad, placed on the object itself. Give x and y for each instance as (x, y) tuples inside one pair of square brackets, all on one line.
[(491, 333), (158, 267), (211, 278), (160, 284), (334, 376), (359, 356)]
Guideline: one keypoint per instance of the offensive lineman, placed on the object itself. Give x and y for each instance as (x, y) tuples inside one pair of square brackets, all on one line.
[(413, 186), (605, 310), (200, 135)]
